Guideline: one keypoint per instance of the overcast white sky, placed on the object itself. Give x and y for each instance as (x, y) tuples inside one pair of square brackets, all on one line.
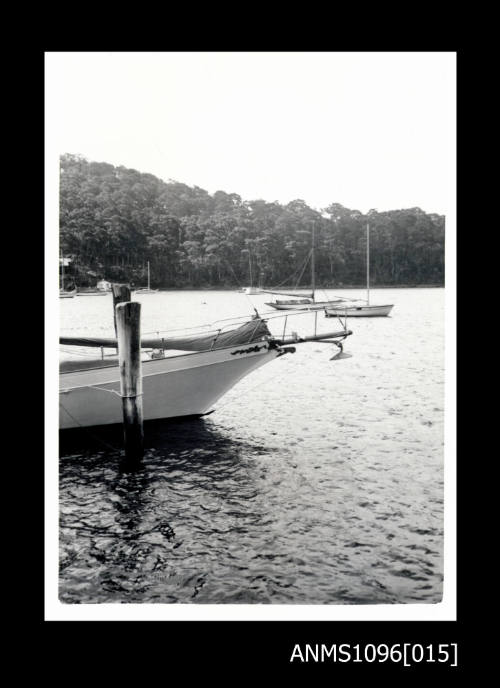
[(368, 130)]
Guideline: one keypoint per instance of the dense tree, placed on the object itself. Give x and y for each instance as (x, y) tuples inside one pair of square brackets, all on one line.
[(113, 220)]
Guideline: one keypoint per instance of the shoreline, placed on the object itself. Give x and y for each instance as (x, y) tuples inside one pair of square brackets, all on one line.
[(318, 288)]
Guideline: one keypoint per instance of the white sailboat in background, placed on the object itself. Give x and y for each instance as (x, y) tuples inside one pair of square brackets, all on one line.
[(251, 289), (303, 303), (146, 290), (355, 308)]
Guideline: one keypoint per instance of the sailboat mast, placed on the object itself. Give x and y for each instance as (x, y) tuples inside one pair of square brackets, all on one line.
[(312, 263), (367, 263), (250, 267), (62, 270), (149, 282)]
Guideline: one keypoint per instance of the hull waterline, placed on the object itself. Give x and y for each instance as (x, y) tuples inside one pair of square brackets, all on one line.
[(359, 311)]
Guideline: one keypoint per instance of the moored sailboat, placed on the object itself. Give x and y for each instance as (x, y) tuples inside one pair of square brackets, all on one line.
[(355, 309), (303, 302), (251, 289), (146, 290), (182, 376)]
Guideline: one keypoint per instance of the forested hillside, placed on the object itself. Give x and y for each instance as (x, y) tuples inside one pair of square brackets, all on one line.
[(113, 220)]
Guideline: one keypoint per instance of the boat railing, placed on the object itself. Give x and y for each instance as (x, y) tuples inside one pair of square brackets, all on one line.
[(277, 334), (219, 326)]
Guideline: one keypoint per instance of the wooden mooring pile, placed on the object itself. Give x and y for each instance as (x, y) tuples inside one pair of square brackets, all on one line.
[(127, 319)]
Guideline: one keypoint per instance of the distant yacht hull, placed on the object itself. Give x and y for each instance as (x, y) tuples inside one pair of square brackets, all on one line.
[(358, 311), (250, 290), (301, 305)]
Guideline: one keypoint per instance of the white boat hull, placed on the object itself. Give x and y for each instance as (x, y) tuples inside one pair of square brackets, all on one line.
[(313, 306), (358, 311), (183, 385)]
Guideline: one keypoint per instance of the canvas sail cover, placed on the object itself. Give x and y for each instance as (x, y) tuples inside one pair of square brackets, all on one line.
[(251, 331)]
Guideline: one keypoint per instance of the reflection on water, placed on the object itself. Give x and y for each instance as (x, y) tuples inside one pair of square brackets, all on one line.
[(314, 482), (191, 474)]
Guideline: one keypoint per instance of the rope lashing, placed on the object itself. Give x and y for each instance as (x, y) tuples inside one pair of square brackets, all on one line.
[(102, 389)]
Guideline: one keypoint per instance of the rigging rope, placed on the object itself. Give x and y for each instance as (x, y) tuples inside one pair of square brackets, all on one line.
[(290, 277), (304, 267), (265, 315), (238, 283)]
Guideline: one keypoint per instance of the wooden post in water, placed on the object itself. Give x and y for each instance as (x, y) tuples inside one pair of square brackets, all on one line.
[(128, 331), (121, 294), (368, 264), (313, 269)]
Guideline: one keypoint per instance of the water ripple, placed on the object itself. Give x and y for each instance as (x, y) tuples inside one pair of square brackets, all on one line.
[(323, 487)]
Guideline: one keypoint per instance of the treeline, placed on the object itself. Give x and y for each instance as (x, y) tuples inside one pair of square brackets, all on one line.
[(113, 220)]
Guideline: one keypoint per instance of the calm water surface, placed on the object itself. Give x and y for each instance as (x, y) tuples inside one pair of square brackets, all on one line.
[(314, 482)]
